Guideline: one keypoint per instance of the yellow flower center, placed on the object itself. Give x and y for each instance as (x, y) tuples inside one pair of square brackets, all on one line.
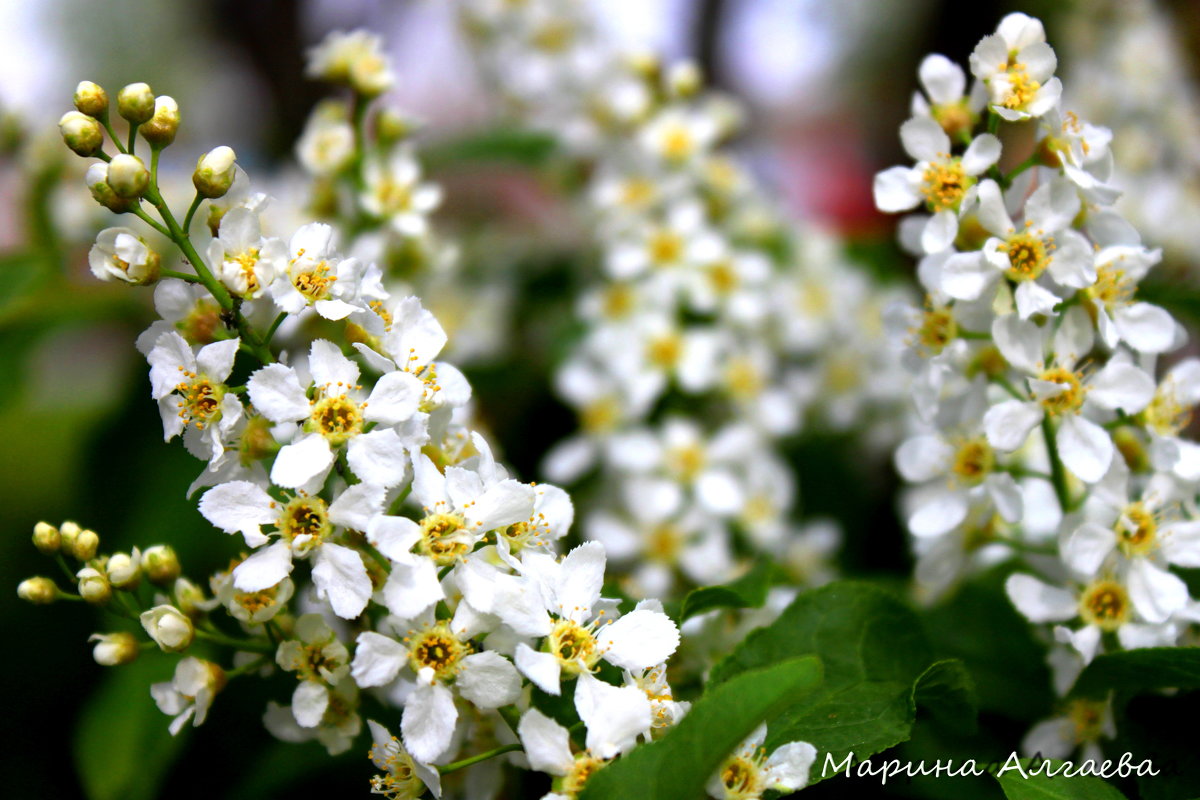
[(304, 516), (665, 351), (444, 538), (1021, 87), (248, 260), (744, 379), (944, 184), (677, 143), (1028, 256), (1070, 399), (742, 777), (1105, 603), (953, 117), (973, 462), (618, 300), (313, 282), (337, 418), (600, 416), (936, 330), (666, 247), (1137, 530), (200, 400), (585, 767), (1087, 717), (686, 461), (574, 646), (438, 649), (1113, 288), (1165, 415)]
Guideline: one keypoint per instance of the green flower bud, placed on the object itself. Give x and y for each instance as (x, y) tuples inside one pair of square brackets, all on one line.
[(86, 543), (684, 79), (128, 176), (94, 586), (68, 531), (214, 172), (125, 570), (169, 628), (160, 564), (136, 103), (81, 133), (91, 99), (39, 591), (102, 193), (46, 538), (114, 649), (160, 130)]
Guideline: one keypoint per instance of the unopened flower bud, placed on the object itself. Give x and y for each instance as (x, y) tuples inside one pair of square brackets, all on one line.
[(86, 543), (214, 172), (160, 564), (91, 99), (170, 629), (391, 127), (46, 538), (189, 598), (136, 103), (128, 176), (684, 79), (160, 130), (81, 133), (94, 586), (114, 649), (125, 569), (102, 193), (67, 533), (39, 591)]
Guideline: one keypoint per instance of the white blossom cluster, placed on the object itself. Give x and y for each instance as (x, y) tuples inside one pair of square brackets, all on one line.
[(715, 328), (386, 550), (1049, 433)]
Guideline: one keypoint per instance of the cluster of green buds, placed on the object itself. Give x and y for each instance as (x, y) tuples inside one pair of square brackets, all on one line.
[(121, 583)]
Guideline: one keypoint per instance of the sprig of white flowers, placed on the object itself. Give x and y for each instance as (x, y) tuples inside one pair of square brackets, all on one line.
[(1046, 434)]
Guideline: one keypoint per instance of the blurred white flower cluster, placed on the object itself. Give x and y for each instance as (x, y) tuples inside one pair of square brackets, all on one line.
[(1049, 433), (716, 330)]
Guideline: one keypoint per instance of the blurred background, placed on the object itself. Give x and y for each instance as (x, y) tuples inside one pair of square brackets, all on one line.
[(825, 86)]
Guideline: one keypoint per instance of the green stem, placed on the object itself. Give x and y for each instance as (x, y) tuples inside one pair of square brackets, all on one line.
[(248, 645), (191, 212), (981, 335), (511, 717), (455, 766), (274, 327), (993, 122), (379, 557), (1004, 383), (112, 134), (1058, 474), (1018, 169), (183, 276), (358, 116), (146, 218), (62, 562), (245, 668), (132, 137)]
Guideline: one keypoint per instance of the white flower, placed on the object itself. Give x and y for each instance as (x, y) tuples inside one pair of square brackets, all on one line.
[(168, 627), (394, 192), (191, 392), (319, 660), (355, 58), (1059, 391), (335, 415), (561, 601), (677, 136), (119, 254), (404, 778), (1082, 725), (243, 260), (945, 184), (948, 103), (748, 773), (304, 525), (326, 146), (1017, 66), (317, 276), (189, 694)]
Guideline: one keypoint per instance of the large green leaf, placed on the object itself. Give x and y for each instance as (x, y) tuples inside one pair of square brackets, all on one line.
[(874, 653), (748, 591), (1140, 670), (1041, 786), (947, 692), (677, 766), (122, 748)]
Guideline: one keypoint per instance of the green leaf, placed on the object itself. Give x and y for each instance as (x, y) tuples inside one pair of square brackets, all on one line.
[(874, 652), (677, 766), (748, 591), (1042, 787), (947, 692), (122, 747), (1140, 670), (979, 626)]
